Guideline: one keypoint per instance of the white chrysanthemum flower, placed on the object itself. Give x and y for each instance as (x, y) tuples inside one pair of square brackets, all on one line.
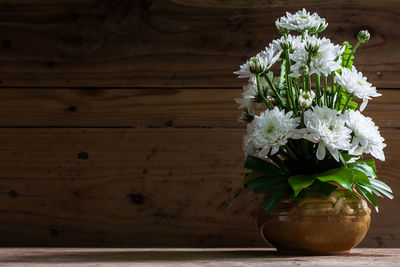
[(301, 21), (272, 129), (366, 136), (248, 147), (250, 91), (325, 60), (269, 55), (305, 99), (244, 71), (356, 85), (266, 57), (294, 40), (327, 128)]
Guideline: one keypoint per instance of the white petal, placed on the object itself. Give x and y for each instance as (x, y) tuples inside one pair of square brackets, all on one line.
[(274, 150), (321, 151), (311, 138), (379, 155), (357, 150), (264, 152), (334, 153), (299, 133), (363, 104)]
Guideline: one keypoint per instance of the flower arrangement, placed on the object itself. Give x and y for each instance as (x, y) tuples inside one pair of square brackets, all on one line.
[(311, 135)]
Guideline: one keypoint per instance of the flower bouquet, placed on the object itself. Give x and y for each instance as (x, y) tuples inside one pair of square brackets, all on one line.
[(312, 136)]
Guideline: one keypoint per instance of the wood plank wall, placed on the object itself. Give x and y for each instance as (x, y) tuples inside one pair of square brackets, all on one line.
[(118, 126)]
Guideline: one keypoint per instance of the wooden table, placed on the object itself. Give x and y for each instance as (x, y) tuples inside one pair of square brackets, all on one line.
[(72, 257)]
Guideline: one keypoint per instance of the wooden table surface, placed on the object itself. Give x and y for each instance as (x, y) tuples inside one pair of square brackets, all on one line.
[(188, 257)]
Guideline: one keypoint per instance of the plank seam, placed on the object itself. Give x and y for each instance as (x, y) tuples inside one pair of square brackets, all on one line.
[(143, 127), (142, 87)]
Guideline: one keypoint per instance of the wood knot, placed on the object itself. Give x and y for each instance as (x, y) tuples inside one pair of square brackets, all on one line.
[(50, 64), (54, 232), (136, 198), (83, 155), (78, 42), (71, 109), (12, 194), (6, 44)]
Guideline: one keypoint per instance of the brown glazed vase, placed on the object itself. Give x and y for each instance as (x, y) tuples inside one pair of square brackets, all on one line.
[(317, 224)]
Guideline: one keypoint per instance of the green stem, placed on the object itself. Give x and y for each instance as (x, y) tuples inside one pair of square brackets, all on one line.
[(309, 60), (339, 97), (347, 103), (333, 89), (261, 93), (296, 90), (303, 141), (308, 83), (352, 53), (289, 82), (326, 90), (290, 152), (271, 84), (318, 89)]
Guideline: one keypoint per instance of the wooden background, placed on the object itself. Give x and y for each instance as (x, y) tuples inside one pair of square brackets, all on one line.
[(118, 126)]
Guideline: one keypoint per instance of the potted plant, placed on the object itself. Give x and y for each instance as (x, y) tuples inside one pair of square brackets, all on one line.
[(305, 148)]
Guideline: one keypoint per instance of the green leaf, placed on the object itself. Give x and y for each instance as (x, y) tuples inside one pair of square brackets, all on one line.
[(346, 156), (275, 158), (260, 165), (342, 160), (376, 193), (382, 188), (299, 182), (360, 177), (383, 192), (380, 184), (342, 176), (346, 54), (252, 176), (323, 187), (371, 163), (363, 166), (352, 105), (265, 184), (273, 200), (303, 194), (368, 194)]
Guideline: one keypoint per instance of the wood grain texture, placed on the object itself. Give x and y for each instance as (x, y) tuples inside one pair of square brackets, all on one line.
[(160, 187), (118, 125), (146, 108), (85, 257), (172, 43)]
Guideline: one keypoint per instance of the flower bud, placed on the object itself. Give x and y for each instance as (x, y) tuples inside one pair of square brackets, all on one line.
[(247, 115), (256, 66), (363, 36), (304, 70), (305, 99), (312, 48), (281, 30), (322, 26), (286, 44)]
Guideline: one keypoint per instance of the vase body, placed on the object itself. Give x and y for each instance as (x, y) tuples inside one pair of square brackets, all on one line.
[(317, 224)]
